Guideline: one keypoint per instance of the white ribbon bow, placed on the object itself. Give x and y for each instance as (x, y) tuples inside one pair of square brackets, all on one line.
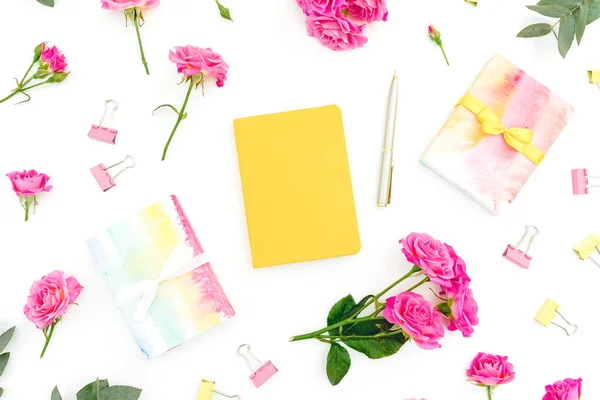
[(179, 263)]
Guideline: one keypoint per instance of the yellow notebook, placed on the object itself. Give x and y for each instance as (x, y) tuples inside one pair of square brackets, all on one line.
[(297, 187)]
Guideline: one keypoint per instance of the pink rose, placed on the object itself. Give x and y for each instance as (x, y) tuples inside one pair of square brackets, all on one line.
[(127, 4), (437, 259), (464, 312), (192, 60), (417, 318), (53, 58), (569, 389), (49, 298), (320, 7), (335, 31), (29, 183), (490, 370), (368, 10)]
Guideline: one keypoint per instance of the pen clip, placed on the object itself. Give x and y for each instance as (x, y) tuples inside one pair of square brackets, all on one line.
[(390, 183)]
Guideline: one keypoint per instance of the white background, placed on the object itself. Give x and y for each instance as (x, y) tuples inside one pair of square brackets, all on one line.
[(275, 66)]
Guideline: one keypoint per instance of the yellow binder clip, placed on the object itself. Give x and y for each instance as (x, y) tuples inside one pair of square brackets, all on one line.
[(207, 389), (585, 249), (594, 77), (548, 312)]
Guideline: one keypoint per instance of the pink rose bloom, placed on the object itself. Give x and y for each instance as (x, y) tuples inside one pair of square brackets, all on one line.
[(320, 7), (336, 31), (569, 389), (368, 10), (127, 4), (464, 312), (192, 60), (29, 183), (417, 317), (490, 370), (437, 259), (49, 298), (53, 58)]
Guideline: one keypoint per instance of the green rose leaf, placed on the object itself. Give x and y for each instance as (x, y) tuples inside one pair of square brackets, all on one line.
[(445, 309), (340, 310), (60, 76), (581, 20), (91, 390), (570, 4), (5, 338), (120, 393), (338, 363), (1, 392), (224, 11), (566, 34), (55, 394), (378, 347), (593, 11), (48, 3), (367, 328), (535, 30), (3, 361), (550, 11)]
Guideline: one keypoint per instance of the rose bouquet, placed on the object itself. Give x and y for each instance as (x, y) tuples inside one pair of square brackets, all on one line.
[(569, 389), (27, 185), (380, 329), (52, 68), (339, 24)]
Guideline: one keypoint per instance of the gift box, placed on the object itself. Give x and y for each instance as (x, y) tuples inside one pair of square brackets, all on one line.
[(161, 277), (497, 135)]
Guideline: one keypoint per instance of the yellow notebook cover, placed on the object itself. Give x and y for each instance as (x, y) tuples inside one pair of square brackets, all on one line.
[(297, 187)]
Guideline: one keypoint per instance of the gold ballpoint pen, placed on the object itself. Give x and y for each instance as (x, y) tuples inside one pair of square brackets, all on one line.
[(387, 157)]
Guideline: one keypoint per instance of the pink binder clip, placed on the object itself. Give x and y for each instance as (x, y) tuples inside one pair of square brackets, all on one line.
[(512, 253), (101, 133), (580, 180), (262, 374), (103, 177)]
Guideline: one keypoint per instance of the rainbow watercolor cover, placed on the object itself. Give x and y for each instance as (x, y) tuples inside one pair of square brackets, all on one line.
[(135, 251), (484, 166)]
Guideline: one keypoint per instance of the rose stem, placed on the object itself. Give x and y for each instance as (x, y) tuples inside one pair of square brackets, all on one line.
[(345, 322), (48, 339), (10, 95), (26, 73), (380, 309), (179, 118), (137, 31), (444, 53), (489, 392)]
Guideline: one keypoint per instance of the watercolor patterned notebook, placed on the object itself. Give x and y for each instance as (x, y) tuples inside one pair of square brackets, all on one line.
[(483, 165), (159, 274)]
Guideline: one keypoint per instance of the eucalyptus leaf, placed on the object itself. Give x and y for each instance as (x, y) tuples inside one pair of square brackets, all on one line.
[(338, 363), (570, 4), (535, 30), (91, 390), (550, 11), (55, 394), (581, 20), (378, 347), (340, 310), (593, 11), (48, 3), (566, 34), (224, 11), (3, 361), (5, 338), (120, 393)]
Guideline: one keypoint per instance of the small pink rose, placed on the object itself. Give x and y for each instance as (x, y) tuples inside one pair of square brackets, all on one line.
[(367, 10), (335, 31), (128, 4), (569, 389), (193, 60), (49, 298), (53, 58), (490, 370), (29, 183), (417, 317), (464, 312)]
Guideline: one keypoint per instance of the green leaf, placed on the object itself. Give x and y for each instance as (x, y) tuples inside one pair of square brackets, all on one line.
[(340, 310), (5, 338), (535, 30), (570, 4), (566, 34), (120, 393), (593, 11), (60, 76), (3, 361), (224, 11), (338, 363), (367, 328), (581, 20), (92, 389), (1, 392), (49, 3), (550, 11), (378, 347), (55, 394)]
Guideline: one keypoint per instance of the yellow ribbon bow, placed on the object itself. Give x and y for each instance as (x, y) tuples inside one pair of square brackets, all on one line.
[(517, 138)]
